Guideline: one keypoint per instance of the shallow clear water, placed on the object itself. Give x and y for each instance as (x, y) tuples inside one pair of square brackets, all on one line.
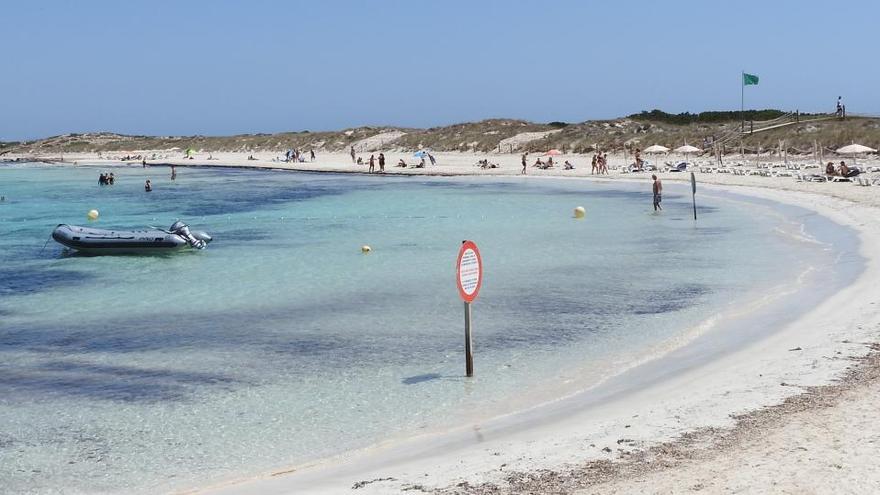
[(282, 343)]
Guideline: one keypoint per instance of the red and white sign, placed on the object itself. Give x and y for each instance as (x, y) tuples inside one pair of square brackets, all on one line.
[(470, 271)]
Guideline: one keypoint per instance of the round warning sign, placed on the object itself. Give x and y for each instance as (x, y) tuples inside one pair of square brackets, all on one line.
[(469, 271)]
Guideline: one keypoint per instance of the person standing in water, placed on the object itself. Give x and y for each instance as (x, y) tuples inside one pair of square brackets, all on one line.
[(658, 193), (148, 186), (173, 173)]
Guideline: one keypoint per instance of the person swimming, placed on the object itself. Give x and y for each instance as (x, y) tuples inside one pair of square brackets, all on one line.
[(148, 186)]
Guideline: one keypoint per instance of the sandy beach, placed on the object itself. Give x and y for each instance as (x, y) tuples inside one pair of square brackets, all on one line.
[(791, 413)]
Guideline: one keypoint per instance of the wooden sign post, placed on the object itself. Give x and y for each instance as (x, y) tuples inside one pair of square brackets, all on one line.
[(469, 276), (694, 193)]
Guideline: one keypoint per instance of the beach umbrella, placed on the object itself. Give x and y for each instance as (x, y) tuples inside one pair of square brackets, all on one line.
[(687, 149), (420, 154), (553, 153), (854, 149), (656, 148)]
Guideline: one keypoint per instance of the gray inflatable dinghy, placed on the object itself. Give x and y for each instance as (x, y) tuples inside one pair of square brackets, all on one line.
[(99, 241)]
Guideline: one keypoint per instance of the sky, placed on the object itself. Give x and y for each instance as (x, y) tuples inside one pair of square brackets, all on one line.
[(228, 67)]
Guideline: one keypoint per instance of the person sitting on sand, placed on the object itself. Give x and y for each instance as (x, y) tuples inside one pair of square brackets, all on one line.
[(843, 170), (401, 163), (148, 186), (829, 169), (539, 163), (421, 163), (360, 161), (550, 162), (568, 165)]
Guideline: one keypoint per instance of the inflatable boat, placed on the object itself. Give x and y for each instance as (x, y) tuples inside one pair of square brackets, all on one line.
[(99, 241)]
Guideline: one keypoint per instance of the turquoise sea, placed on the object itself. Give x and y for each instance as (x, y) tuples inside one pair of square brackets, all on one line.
[(282, 343)]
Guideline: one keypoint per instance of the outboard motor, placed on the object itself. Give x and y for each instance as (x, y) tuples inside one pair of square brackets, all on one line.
[(197, 240)]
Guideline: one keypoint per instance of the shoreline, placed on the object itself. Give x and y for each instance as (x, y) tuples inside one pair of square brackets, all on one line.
[(535, 464), (501, 461)]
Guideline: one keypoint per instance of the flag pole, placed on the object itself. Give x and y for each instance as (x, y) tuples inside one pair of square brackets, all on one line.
[(742, 101)]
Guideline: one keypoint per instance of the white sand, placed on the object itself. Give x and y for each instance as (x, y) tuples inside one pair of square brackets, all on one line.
[(820, 450)]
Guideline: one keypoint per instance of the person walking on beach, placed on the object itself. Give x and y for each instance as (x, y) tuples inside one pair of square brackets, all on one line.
[(658, 192), (525, 158), (594, 165), (603, 165), (312, 155), (382, 162), (372, 164), (351, 152)]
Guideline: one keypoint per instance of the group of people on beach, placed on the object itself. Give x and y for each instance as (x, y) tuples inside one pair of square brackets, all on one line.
[(380, 159), (402, 163), (599, 163), (541, 164), (841, 171), (373, 164), (297, 155)]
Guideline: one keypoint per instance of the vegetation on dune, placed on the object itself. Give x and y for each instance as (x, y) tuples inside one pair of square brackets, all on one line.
[(707, 117), (499, 135)]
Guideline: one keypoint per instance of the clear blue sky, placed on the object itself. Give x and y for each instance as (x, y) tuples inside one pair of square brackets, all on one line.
[(223, 67)]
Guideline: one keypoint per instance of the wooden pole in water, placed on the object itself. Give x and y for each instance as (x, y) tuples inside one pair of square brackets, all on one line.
[(468, 342), (694, 193)]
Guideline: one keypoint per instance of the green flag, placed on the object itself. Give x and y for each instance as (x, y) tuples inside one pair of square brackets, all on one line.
[(749, 79)]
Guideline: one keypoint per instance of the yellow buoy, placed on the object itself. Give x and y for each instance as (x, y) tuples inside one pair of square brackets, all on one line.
[(579, 212), (366, 249), (92, 214)]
